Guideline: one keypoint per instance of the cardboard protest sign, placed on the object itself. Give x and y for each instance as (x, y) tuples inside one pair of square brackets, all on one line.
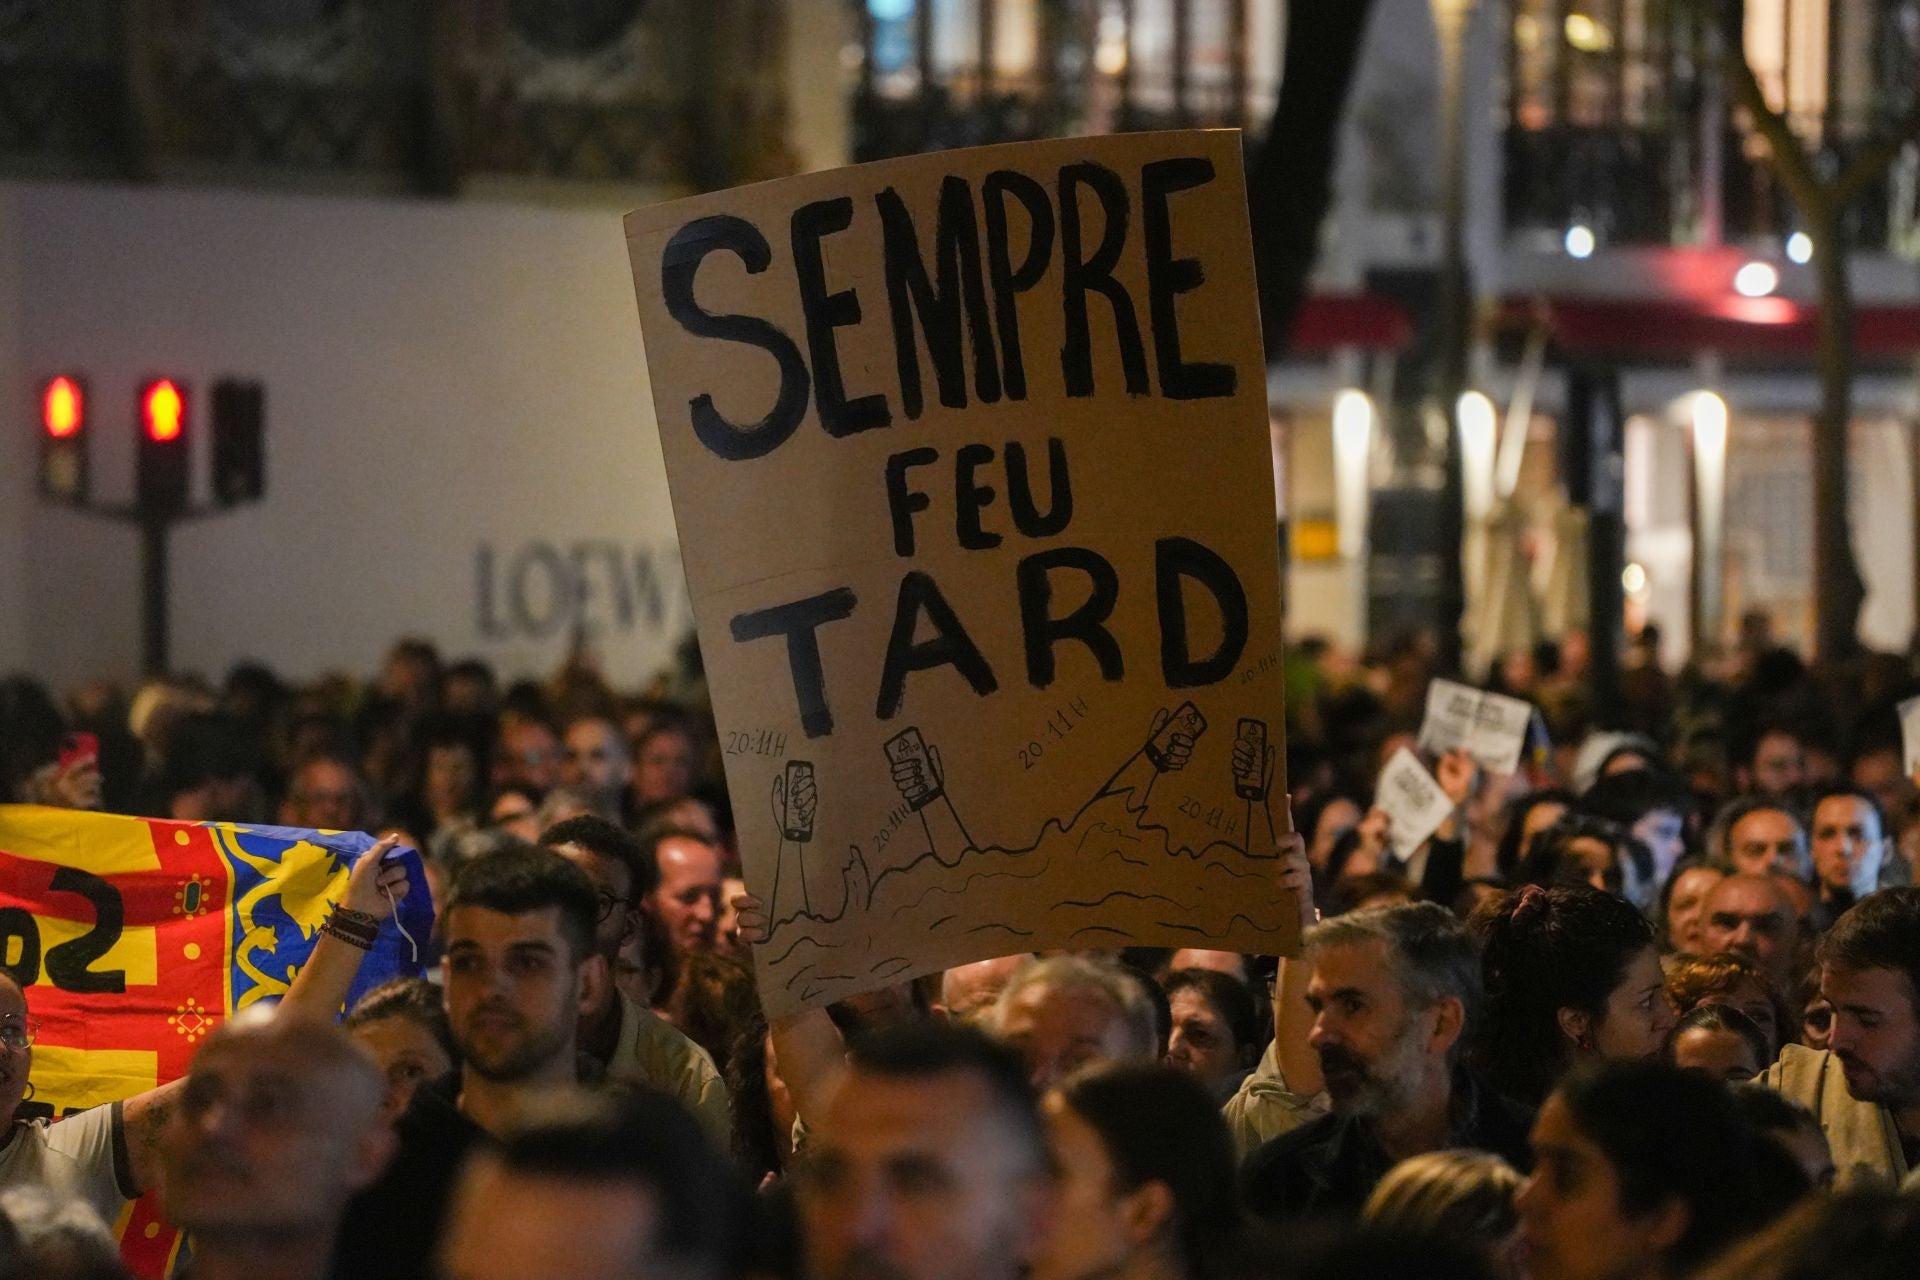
[(1490, 727), (969, 455), (1414, 802)]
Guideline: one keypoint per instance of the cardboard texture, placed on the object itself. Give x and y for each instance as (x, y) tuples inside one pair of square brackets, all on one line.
[(969, 457)]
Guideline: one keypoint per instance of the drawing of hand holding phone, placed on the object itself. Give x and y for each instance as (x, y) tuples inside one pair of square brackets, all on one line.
[(796, 801), (1253, 766), (922, 782)]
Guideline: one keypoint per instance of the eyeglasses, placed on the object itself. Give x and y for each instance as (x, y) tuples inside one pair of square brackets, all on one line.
[(18, 1035), (608, 903)]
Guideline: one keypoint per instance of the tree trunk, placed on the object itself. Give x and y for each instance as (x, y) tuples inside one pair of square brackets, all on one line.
[(1838, 591)]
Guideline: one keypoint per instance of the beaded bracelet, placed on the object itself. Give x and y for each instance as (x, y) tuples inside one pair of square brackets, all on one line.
[(352, 940)]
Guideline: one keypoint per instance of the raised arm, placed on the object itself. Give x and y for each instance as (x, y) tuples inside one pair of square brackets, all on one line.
[(1292, 1018), (322, 984), (807, 1046)]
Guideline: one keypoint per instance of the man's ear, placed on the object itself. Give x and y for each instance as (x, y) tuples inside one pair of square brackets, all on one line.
[(1450, 1019), (1577, 1026), (590, 985), (1147, 1210)]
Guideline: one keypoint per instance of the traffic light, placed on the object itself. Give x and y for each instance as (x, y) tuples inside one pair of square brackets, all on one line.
[(239, 442), (63, 440), (161, 475)]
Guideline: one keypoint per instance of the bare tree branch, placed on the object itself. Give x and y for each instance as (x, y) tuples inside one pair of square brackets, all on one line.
[(1791, 160)]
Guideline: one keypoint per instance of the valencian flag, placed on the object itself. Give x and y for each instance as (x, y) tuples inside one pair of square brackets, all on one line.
[(135, 937)]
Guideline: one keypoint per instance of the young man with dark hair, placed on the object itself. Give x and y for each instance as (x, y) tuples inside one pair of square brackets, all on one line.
[(1759, 835), (520, 965), (1769, 758), (1849, 848), (1865, 1087), (599, 1187), (633, 1044), (928, 1163)]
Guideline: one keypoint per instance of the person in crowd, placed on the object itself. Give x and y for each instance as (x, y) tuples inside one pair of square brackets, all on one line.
[(515, 809), (1065, 1012), (1816, 1015), (328, 795), (1792, 1126), (1735, 981), (682, 907), (1216, 1032), (1683, 907), (210, 772), (277, 1126), (1644, 1172), (453, 773), (1570, 974), (1751, 916), (1859, 1236), (1527, 817), (470, 688), (969, 992), (1865, 1087), (595, 764), (1395, 992), (596, 1186), (1769, 758), (929, 1162), (1461, 1195), (403, 1024), (1652, 808), (46, 1236), (1758, 835), (714, 1000), (1231, 963), (1145, 1178), (666, 763), (520, 966), (1849, 847), (1583, 850), (527, 754), (1718, 1040), (762, 1106), (631, 1043)]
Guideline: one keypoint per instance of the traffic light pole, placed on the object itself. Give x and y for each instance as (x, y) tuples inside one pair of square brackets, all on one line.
[(155, 625)]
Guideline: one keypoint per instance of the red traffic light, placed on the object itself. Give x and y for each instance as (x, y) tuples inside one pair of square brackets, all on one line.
[(63, 407), (162, 409)]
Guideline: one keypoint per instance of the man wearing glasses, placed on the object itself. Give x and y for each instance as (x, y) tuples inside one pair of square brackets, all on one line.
[(634, 1044)]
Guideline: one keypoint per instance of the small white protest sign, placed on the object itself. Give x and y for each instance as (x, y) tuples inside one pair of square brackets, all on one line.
[(1490, 727), (1414, 802)]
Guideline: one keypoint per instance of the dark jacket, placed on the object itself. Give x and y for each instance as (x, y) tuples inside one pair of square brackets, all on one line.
[(1330, 1167)]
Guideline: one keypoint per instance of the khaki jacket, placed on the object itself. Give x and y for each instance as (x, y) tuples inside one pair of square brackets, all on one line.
[(651, 1051), (1867, 1155)]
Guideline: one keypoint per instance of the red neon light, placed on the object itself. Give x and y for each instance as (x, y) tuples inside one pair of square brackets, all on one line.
[(162, 408), (62, 407)]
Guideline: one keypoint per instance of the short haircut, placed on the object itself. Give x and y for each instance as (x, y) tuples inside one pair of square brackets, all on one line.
[(518, 878), (1511, 851), (1713, 1016), (414, 999), (607, 839), (925, 1049), (654, 835), (1865, 797), (645, 1138), (1881, 931), (1461, 1195), (1626, 798), (1550, 863), (1432, 955), (1161, 1125), (1744, 742), (1229, 997), (1126, 991), (1720, 830), (1676, 1135)]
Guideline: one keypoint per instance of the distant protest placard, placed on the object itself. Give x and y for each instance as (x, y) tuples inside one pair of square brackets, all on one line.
[(970, 460)]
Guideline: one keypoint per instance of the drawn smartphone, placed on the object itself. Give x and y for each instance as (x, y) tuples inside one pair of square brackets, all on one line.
[(79, 748), (795, 825), (1185, 720), (908, 746), (1254, 734)]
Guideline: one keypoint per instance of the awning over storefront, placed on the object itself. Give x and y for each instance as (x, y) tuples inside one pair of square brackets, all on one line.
[(1733, 327), (1362, 321)]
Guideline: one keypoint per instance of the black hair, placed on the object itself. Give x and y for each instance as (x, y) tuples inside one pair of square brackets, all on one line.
[(1507, 858), (517, 878), (1626, 798), (1228, 996), (1713, 1016), (1881, 931), (1551, 862), (1545, 950), (416, 1000), (643, 1137), (1676, 1135), (607, 839), (206, 746), (1825, 794), (1161, 1125), (923, 1049), (30, 730)]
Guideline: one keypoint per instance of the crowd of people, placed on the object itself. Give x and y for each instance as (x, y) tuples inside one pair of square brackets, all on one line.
[(1647, 1008)]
